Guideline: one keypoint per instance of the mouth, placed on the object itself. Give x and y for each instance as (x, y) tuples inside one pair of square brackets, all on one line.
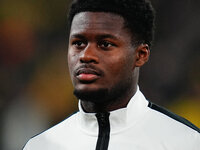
[(87, 75)]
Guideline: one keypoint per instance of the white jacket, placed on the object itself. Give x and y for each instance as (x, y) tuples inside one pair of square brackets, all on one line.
[(140, 126)]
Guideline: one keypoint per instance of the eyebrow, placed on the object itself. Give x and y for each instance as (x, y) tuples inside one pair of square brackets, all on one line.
[(104, 36), (79, 36), (99, 37)]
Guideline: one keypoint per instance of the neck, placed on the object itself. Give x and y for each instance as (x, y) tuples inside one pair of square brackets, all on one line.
[(120, 102)]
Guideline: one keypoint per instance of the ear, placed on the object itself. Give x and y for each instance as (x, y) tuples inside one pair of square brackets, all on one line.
[(142, 54)]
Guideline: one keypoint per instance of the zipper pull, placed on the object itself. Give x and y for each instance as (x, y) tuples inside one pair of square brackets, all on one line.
[(103, 119)]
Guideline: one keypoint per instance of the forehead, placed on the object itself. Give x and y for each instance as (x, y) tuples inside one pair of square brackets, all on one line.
[(98, 22)]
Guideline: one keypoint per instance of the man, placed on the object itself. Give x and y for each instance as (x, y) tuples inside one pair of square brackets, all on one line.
[(108, 42)]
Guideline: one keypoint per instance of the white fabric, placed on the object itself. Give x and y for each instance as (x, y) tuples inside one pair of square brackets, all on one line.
[(136, 127)]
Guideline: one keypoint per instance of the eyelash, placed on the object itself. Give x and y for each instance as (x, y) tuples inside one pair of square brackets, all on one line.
[(79, 44), (106, 44)]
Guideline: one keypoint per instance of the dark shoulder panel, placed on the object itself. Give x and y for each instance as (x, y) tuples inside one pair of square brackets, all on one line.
[(174, 116)]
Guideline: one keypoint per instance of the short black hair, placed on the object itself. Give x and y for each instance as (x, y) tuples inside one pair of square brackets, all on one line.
[(138, 15)]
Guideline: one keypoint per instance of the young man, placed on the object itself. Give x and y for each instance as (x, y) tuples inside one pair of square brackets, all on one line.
[(109, 41)]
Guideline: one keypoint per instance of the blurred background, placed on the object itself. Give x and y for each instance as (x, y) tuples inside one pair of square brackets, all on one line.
[(35, 87)]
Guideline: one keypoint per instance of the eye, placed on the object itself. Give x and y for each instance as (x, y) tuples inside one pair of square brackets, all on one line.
[(79, 44), (105, 44)]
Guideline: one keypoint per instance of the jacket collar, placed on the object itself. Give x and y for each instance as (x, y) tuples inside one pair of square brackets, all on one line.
[(119, 119)]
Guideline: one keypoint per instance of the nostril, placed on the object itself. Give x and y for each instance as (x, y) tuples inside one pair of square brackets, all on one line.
[(87, 59)]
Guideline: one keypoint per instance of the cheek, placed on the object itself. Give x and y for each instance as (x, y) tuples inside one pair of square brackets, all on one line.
[(120, 67), (122, 63), (72, 59)]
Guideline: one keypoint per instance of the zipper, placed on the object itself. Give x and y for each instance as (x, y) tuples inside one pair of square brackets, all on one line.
[(104, 131)]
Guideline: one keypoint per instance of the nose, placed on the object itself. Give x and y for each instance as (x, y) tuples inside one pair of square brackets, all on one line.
[(89, 54)]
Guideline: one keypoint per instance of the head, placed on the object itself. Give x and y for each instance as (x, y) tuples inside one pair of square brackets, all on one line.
[(108, 42), (138, 15)]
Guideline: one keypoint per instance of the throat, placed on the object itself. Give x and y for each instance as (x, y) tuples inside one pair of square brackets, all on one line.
[(112, 101), (91, 107)]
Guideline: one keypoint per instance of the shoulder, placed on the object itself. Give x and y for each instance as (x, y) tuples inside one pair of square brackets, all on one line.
[(54, 134), (173, 116), (171, 129)]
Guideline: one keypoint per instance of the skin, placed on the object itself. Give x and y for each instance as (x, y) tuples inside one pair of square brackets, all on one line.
[(100, 40)]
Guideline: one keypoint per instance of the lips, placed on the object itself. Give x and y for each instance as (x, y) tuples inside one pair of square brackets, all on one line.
[(87, 75)]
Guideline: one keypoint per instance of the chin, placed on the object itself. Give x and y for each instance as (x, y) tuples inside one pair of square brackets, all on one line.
[(92, 94)]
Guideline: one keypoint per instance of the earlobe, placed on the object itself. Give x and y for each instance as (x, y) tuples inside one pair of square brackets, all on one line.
[(142, 55)]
